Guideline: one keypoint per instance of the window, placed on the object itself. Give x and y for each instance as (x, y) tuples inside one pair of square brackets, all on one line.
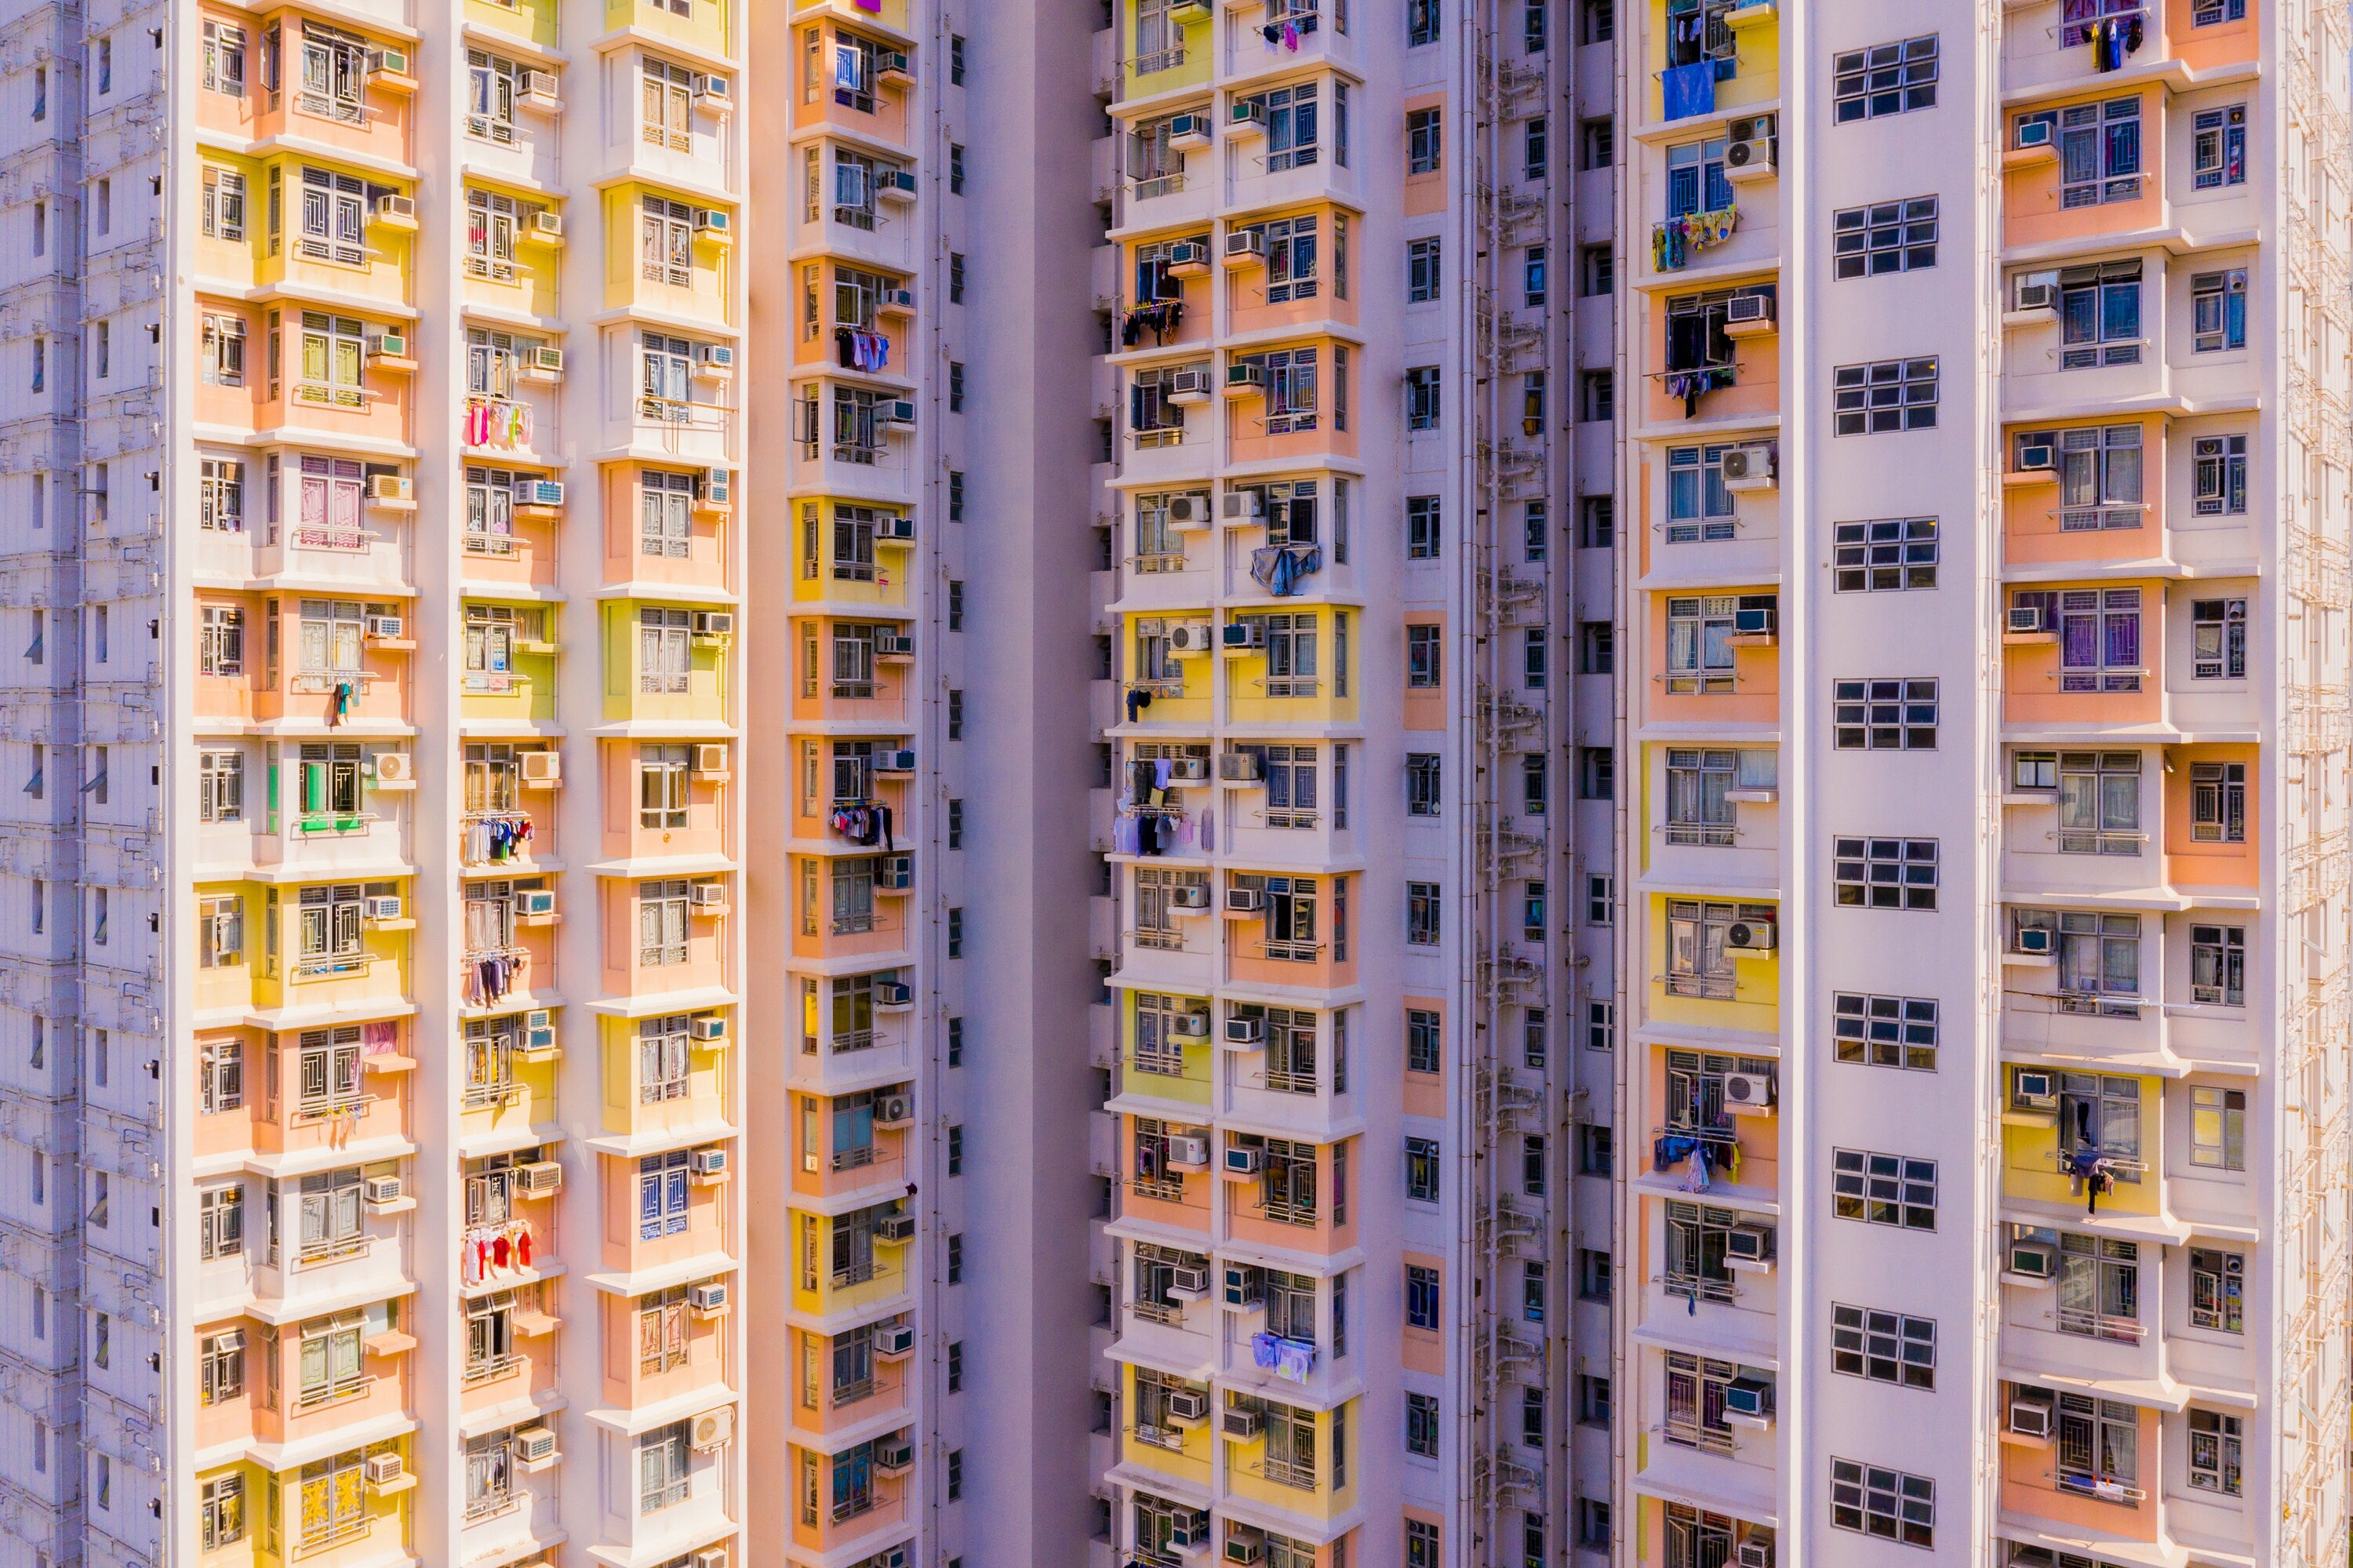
[(2210, 13), (1424, 136), (2099, 316), (1698, 1238), (664, 650), (1884, 874), (220, 785), (1885, 715), (1600, 1026), (2218, 966), (1535, 644), (1422, 1545), (1886, 236), (2218, 475), (2218, 1129), (1290, 387), (1424, 657), (1534, 286), (1884, 555), (2218, 311), (1600, 899), (1699, 505), (1422, 529), (661, 1195), (1421, 397), (221, 1224), (1883, 1188), (662, 1468), (220, 641), (1883, 396), (1699, 641), (491, 82), (1883, 1346), (224, 204), (1598, 271), (1535, 787), (1597, 397), (1291, 128), (955, 60), (1422, 900), (1422, 22), (1422, 783), (1597, 143), (334, 217), (1534, 25), (1424, 1035), (1421, 1174), (2218, 148), (223, 54), (1421, 1426), (1885, 79), (2099, 150), (1536, 154), (1883, 1031), (666, 242), (1597, 773), (328, 1212), (667, 114), (2214, 1452), (1695, 1402), (1699, 802), (334, 349), (2099, 958), (955, 168), (2217, 1290), (661, 923), (221, 1512), (220, 1077), (1422, 270), (1872, 1500)]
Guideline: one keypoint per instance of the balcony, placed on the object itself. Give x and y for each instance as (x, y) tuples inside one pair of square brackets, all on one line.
[(1734, 62), (691, 273), (1312, 26), (342, 240)]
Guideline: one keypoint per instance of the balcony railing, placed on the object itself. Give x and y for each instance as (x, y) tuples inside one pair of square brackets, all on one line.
[(320, 1395), (1687, 1431), (1697, 1287), (2089, 1323), (335, 1249), (332, 1108), (320, 1534), (854, 1158), (1291, 1473), (1168, 1189), (857, 1273), (492, 1368)]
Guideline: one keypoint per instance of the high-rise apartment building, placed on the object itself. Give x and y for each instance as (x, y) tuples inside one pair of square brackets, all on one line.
[(1985, 601), (372, 924)]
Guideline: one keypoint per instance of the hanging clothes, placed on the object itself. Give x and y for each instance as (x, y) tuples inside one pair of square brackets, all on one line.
[(1159, 317), (1688, 89), (1138, 699)]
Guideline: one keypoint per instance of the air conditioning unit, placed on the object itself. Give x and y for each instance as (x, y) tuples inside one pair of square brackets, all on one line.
[(893, 993), (711, 1159), (714, 221), (710, 756), (1244, 375), (2035, 291), (895, 874), (1245, 1289), (897, 301), (707, 1027), (535, 1446), (1243, 1425), (1194, 637), (1188, 770), (1189, 1153), (1247, 1032), (539, 493), (1245, 246), (387, 62), (393, 207), (1245, 506), (394, 768), (382, 1469), (1749, 1401), (1751, 936), (716, 92), (540, 766), (895, 762), (541, 86), (2038, 940), (385, 627), (1247, 1549), (707, 895), (1243, 1161), (381, 1190), (388, 345), (714, 623), (716, 1557), (533, 903), (2033, 1260), (894, 1455), (1754, 621), (1189, 132), (1243, 634), (898, 414), (1190, 1026), (707, 1296), (895, 1228), (1754, 1554), (715, 359), (2037, 457), (2034, 1087), (2025, 619), (1188, 1282), (1188, 1406), (1188, 258), (1189, 386), (1189, 895), (1752, 309), (1751, 1245), (712, 1429), (2032, 134), (1749, 1093), (1757, 156), (894, 1110), (1750, 468), (894, 185), (546, 224), (1243, 901), (539, 1178), (543, 359), (1248, 117), (895, 528), (894, 645), (1189, 511), (391, 487), (1189, 1534), (539, 1028), (894, 1339), (2031, 1418), (718, 489), (1241, 767), (382, 906)]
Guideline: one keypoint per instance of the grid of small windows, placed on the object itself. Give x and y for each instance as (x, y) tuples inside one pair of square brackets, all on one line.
[(1884, 874), (1885, 1347), (1884, 715), (1883, 1031), (1886, 236), (1884, 394), (1883, 1188), (1884, 555), (1875, 1499), (1885, 79)]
